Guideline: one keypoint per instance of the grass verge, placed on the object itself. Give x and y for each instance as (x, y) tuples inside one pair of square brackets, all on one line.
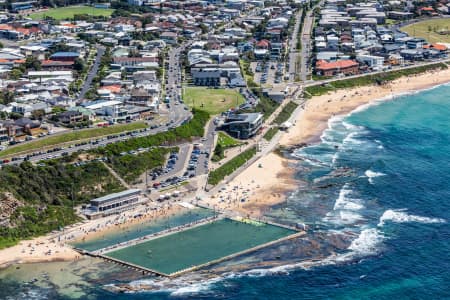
[(270, 133), (226, 169), (318, 90), (285, 113), (69, 137)]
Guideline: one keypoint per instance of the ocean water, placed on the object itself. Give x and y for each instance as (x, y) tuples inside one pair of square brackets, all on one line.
[(375, 197)]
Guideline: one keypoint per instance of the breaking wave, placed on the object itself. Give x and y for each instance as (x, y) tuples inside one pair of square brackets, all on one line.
[(400, 216), (372, 174)]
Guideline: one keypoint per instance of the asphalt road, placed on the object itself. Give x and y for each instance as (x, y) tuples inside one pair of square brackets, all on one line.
[(92, 72), (305, 54), (207, 145), (293, 53), (306, 45), (177, 111), (99, 142)]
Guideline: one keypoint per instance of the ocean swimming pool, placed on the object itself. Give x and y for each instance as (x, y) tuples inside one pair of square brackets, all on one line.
[(199, 245), (144, 229)]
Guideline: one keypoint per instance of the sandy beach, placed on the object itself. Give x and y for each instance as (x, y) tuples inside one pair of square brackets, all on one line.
[(261, 185), (267, 186), (54, 247), (249, 193), (313, 120)]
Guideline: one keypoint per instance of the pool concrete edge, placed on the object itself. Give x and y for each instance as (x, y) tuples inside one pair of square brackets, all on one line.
[(231, 256)]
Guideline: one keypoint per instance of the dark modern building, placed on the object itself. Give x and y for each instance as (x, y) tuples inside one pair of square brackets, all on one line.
[(243, 126)]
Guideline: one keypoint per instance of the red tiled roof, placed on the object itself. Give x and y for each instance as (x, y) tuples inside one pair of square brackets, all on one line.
[(5, 27), (25, 31), (439, 47), (263, 43), (427, 8), (112, 88), (56, 63), (340, 64)]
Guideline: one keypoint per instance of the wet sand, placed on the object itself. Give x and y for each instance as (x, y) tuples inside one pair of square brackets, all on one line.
[(270, 184), (263, 184)]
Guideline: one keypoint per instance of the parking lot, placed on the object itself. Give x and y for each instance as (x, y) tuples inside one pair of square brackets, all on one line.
[(180, 166), (267, 73)]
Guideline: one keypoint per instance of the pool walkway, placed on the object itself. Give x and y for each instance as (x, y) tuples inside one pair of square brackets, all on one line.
[(101, 253), (156, 235)]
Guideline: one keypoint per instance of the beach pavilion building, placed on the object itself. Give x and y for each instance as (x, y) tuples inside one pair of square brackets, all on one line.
[(112, 204)]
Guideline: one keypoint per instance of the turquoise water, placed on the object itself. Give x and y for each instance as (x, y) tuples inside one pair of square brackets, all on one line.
[(376, 196), (199, 245), (143, 229)]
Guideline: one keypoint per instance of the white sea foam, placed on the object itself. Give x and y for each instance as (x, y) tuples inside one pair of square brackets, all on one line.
[(335, 158), (372, 174), (352, 127), (345, 207), (400, 216), (345, 202), (351, 139), (367, 242), (192, 289), (380, 144), (343, 217), (179, 287)]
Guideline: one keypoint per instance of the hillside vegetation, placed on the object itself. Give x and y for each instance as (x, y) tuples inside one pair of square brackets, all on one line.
[(42, 197), (194, 128)]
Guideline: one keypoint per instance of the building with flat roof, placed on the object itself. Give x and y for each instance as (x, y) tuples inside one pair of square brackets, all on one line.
[(112, 203), (243, 126)]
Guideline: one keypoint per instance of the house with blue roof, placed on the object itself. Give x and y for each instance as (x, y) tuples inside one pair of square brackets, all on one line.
[(65, 56)]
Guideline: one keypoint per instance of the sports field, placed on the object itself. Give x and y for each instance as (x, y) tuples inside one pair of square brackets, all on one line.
[(66, 13), (199, 245), (430, 30), (212, 100)]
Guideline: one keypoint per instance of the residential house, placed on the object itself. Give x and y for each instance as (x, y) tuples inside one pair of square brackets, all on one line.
[(71, 117), (346, 67), (169, 37)]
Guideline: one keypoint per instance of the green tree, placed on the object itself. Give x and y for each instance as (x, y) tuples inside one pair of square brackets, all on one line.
[(79, 65), (58, 109), (38, 114), (32, 63), (15, 74), (204, 28), (15, 116), (6, 97)]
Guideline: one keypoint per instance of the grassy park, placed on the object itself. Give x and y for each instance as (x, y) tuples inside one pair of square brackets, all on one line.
[(227, 141), (224, 141), (72, 136), (65, 13), (432, 30), (212, 100)]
